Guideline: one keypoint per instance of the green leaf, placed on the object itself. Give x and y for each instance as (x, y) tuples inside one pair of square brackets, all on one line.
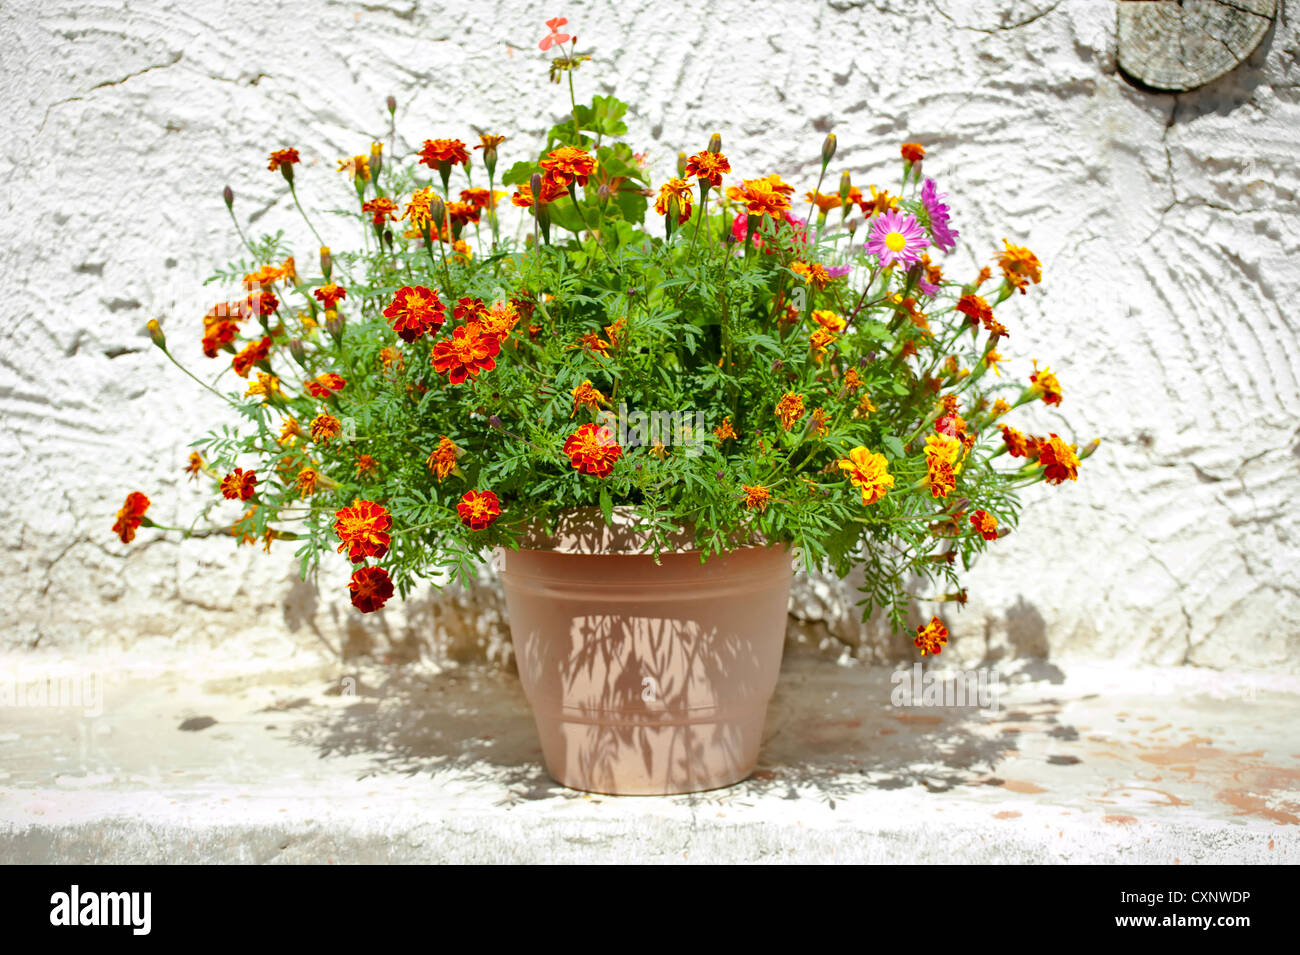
[(606, 504), (894, 446), (519, 173)]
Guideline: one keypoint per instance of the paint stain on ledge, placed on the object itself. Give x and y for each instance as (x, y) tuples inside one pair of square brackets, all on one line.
[(1021, 786), (1120, 820), (1006, 814)]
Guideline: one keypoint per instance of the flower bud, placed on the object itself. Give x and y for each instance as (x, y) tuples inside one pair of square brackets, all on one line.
[(1089, 448), (334, 324), (718, 475), (286, 170), (828, 149), (229, 195), (603, 193), (494, 422), (156, 333), (853, 227), (846, 186), (376, 159), (392, 104), (298, 351), (326, 262), (535, 184), (438, 209), (681, 165), (777, 365), (715, 143)]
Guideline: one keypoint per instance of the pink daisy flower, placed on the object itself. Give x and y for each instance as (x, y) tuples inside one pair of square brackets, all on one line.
[(897, 239), (945, 237)]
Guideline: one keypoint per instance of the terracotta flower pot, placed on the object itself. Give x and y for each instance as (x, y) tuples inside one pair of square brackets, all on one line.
[(645, 678)]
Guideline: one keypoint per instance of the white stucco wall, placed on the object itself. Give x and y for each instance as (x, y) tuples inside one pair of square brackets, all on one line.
[(1168, 228)]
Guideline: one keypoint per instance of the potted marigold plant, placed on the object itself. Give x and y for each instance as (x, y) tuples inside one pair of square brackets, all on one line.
[(650, 398)]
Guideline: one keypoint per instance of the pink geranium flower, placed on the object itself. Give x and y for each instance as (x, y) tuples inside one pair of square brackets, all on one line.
[(555, 36), (897, 239)]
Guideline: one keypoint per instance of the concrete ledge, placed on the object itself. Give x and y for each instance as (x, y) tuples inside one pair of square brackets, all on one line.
[(1090, 764)]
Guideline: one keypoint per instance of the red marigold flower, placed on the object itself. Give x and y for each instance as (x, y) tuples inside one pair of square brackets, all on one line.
[(130, 516), (593, 450), (414, 311), (975, 309), (1044, 383), (932, 637), (195, 465), (322, 386), (912, 152), (363, 529), (249, 356), (324, 427), (330, 294), (551, 190), (370, 587), (261, 304), (480, 198), (708, 167), (1019, 445), (438, 152), (985, 524), (469, 351), (680, 190), (380, 209), (239, 485), (567, 165), (282, 157), (478, 509), (586, 395), (217, 335), (469, 310), (1059, 460)]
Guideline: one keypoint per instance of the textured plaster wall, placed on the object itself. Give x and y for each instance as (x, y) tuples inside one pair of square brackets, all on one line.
[(1168, 227)]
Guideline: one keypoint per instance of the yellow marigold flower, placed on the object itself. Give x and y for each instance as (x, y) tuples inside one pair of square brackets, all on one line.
[(756, 497), (724, 431), (1020, 266), (306, 482), (680, 190), (932, 637), (588, 396), (941, 454), (442, 459), (1060, 461), (420, 209), (991, 359), (813, 274), (864, 408), (789, 409), (985, 524), (267, 385), (324, 427), (1044, 383), (831, 321), (659, 451), (878, 203), (820, 422), (358, 167), (290, 432), (1000, 407), (869, 472), (820, 340)]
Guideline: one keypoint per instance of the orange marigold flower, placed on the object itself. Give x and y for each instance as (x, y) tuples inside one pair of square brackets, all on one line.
[(820, 340), (499, 320), (933, 272), (366, 465), (789, 409), (769, 196), (813, 274), (975, 309), (756, 497), (567, 165), (306, 482), (363, 529), (322, 386), (852, 380), (263, 277), (1044, 383), (1019, 445), (478, 509), (586, 395), (442, 459), (195, 465), (330, 294), (469, 351), (912, 152), (820, 422), (480, 198), (680, 190), (831, 321), (488, 141), (380, 210), (249, 356), (239, 485), (864, 408), (593, 342), (931, 638), (357, 167), (290, 431), (551, 190), (371, 588), (324, 427), (462, 213), (824, 201), (1060, 461), (437, 153), (724, 431), (1000, 407), (985, 524), (391, 358), (282, 157), (592, 449), (415, 310), (130, 516), (1020, 266), (217, 334), (708, 167), (868, 471)]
